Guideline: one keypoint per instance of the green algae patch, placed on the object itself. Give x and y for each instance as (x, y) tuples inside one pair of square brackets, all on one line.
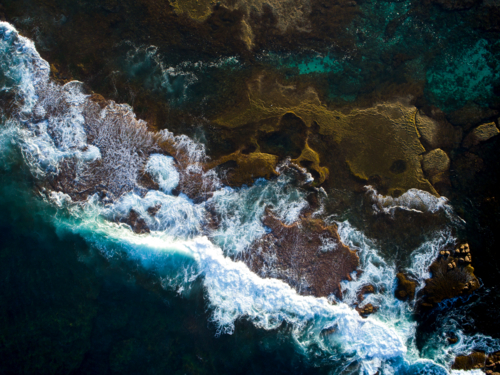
[(380, 142), (198, 10), (249, 166), (311, 160)]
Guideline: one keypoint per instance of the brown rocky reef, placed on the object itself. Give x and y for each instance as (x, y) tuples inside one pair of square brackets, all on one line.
[(452, 276), (490, 364), (366, 310), (307, 254), (136, 222), (125, 144), (406, 287)]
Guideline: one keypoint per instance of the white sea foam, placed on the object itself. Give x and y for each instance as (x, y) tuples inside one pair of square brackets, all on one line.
[(412, 200), (241, 211), (21, 65), (376, 272), (422, 258), (163, 170), (235, 292)]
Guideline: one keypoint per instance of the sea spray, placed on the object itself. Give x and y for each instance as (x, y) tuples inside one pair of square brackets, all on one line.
[(241, 211)]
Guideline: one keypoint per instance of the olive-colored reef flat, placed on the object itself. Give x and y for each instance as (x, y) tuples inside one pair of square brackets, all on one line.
[(382, 141)]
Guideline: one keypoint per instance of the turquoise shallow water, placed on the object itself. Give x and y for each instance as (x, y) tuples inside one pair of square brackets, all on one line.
[(172, 300)]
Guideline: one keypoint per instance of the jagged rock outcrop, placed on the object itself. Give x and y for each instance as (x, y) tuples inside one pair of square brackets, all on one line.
[(366, 310), (452, 276), (436, 165), (366, 289), (490, 363), (137, 223), (472, 361), (247, 168)]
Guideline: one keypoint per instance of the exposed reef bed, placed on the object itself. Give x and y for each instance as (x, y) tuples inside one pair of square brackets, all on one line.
[(308, 255), (452, 276)]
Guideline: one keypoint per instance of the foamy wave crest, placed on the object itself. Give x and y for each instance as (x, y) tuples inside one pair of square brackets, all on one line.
[(241, 211), (177, 217), (162, 168), (423, 257), (21, 66), (235, 292), (377, 272), (190, 157), (413, 200)]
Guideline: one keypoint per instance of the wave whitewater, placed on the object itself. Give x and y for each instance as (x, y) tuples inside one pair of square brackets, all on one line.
[(61, 131)]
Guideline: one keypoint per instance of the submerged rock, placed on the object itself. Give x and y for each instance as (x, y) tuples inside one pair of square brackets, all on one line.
[(406, 287), (366, 289), (136, 222), (436, 165), (475, 360), (308, 255), (437, 132), (366, 310), (481, 134)]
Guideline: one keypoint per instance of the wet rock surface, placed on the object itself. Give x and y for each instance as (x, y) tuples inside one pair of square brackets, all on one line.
[(481, 134), (488, 363), (406, 287), (308, 255), (366, 289), (366, 310), (137, 224), (452, 276)]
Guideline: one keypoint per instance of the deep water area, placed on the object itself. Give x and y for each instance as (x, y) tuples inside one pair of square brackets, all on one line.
[(249, 187)]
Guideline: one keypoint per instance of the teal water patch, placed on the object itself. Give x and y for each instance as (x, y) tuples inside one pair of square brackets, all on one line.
[(314, 63), (408, 41), (342, 78), (467, 74)]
